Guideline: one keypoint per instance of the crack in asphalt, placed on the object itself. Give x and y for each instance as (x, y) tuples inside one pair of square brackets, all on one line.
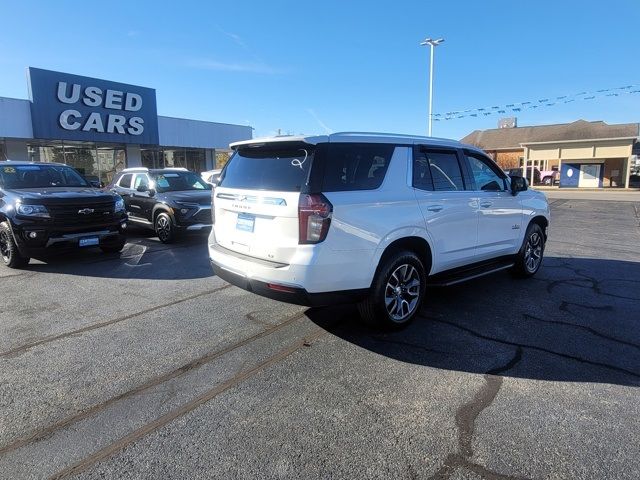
[(582, 327), (542, 349), (584, 277), (416, 346), (466, 417), (51, 338), (192, 365), (564, 306)]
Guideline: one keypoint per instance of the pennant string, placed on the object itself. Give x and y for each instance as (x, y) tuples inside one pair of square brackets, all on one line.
[(532, 105)]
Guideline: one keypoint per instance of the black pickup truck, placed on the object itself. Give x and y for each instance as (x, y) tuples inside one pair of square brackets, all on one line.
[(46, 207)]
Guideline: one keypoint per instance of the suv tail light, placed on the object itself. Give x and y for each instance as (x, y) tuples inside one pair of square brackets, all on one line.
[(314, 217)]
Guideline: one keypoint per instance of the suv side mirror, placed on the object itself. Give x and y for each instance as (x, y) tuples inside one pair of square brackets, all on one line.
[(518, 184), (142, 188)]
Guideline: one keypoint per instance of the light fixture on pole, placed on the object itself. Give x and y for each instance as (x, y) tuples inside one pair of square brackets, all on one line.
[(433, 44)]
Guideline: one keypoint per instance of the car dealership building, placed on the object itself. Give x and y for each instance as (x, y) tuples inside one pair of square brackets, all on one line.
[(101, 127)]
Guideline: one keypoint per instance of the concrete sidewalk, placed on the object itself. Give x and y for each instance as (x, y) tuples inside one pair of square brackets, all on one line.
[(626, 195)]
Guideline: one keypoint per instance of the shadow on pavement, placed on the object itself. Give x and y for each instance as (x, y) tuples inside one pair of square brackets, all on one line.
[(578, 320), (144, 257)]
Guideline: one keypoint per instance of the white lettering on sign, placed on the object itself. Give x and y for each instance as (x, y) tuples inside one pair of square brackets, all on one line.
[(95, 97), (113, 99), (133, 102), (94, 122), (62, 93), (92, 96), (136, 126), (66, 116), (116, 122)]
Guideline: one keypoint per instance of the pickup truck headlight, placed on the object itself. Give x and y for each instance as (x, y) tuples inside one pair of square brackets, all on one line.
[(119, 205), (39, 211)]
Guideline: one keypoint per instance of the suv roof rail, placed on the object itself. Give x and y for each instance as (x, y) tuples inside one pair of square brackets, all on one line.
[(386, 134), (182, 169), (135, 169)]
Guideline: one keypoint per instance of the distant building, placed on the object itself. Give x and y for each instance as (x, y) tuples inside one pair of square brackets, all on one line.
[(587, 154)]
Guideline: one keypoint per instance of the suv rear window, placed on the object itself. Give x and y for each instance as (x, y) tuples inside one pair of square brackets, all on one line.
[(283, 167), (355, 166)]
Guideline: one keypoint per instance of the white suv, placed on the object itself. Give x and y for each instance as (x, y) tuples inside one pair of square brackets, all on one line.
[(370, 219)]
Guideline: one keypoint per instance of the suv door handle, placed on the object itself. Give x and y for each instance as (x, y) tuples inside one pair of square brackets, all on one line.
[(485, 204), (435, 208)]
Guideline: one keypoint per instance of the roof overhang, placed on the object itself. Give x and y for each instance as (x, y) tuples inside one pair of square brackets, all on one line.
[(584, 140), (500, 149)]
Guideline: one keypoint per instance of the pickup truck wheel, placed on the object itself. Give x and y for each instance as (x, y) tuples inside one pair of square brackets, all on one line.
[(9, 250), (547, 181), (397, 292), (529, 258), (164, 228)]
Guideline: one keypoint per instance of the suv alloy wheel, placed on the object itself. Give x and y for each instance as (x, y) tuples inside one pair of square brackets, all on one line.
[(397, 292), (164, 228), (529, 258)]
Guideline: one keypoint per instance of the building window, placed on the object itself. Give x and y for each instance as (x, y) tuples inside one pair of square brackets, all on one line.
[(222, 157), (151, 158), (101, 161)]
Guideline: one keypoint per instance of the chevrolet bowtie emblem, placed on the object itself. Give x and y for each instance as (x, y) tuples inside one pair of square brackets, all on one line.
[(85, 211)]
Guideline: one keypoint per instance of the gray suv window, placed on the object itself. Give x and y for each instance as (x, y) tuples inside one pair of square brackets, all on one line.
[(441, 167), (355, 166), (486, 179)]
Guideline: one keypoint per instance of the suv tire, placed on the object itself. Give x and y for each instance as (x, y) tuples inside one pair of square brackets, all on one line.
[(529, 258), (396, 293), (164, 228), (9, 250)]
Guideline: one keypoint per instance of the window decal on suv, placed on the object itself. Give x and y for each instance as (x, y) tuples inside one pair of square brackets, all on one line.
[(298, 163)]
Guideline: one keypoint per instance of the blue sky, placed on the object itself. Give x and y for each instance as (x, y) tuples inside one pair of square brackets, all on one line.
[(314, 67)]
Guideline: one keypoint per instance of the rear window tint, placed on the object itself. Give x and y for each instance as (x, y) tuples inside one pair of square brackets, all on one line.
[(283, 168), (445, 171), (421, 171), (355, 166)]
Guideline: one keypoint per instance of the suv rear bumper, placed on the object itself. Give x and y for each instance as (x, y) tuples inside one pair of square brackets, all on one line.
[(280, 281), (282, 293)]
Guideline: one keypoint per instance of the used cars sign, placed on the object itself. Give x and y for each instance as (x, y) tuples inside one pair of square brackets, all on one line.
[(71, 107)]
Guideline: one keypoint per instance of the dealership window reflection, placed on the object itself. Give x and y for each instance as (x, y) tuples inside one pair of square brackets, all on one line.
[(100, 161), (193, 159)]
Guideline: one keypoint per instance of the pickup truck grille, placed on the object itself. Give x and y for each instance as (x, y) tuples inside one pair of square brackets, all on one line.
[(92, 213)]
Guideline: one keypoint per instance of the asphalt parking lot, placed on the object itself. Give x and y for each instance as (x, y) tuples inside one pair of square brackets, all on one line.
[(145, 365)]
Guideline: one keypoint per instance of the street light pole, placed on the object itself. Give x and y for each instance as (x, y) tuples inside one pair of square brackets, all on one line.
[(432, 43)]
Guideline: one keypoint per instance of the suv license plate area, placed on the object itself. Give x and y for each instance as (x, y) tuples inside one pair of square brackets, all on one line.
[(89, 241), (245, 222)]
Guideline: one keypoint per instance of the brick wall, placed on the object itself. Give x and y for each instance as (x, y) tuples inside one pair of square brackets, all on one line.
[(507, 158)]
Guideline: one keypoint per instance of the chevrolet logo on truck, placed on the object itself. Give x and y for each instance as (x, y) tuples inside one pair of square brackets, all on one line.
[(86, 211)]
